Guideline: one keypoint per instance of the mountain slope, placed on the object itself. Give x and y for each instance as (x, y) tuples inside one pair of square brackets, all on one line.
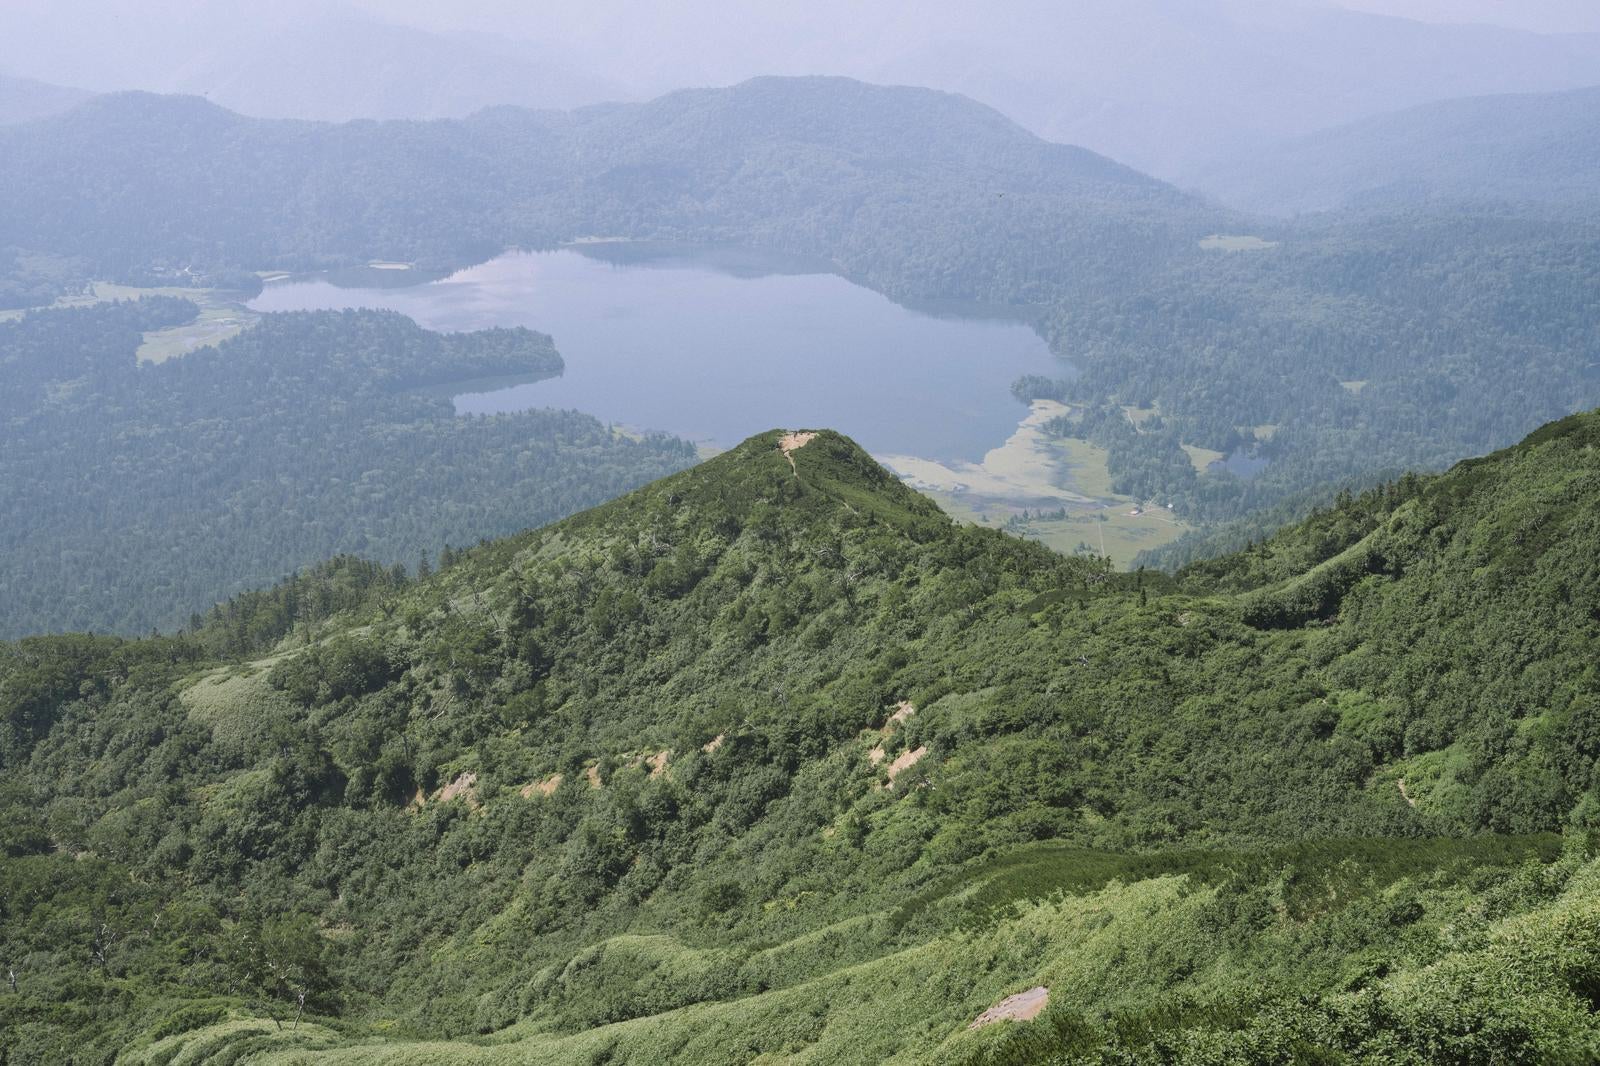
[(1526, 149), (771, 758)]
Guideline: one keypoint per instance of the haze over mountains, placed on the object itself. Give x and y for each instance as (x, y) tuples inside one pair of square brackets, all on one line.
[(1522, 148), (23, 99), (1162, 85)]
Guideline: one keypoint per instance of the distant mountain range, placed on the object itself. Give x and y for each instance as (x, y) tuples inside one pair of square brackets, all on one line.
[(1529, 148), (342, 66), (23, 99), (1171, 87), (812, 165)]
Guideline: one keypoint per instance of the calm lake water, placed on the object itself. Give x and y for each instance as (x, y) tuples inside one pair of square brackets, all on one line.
[(718, 344)]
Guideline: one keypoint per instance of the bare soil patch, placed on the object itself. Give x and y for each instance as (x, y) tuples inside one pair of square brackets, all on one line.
[(463, 787), (790, 443), (1022, 1007), (906, 761), (541, 788)]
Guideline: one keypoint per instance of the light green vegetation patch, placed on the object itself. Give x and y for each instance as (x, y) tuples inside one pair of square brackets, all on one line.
[(1113, 532), (1107, 524), (236, 1039), (1111, 525), (1202, 458), (216, 323), (219, 319), (239, 706), (1084, 468), (1353, 387)]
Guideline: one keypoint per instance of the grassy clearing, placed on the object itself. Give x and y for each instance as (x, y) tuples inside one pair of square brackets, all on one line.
[(216, 323), (1084, 468), (1112, 531), (1202, 458), (1108, 525), (219, 319)]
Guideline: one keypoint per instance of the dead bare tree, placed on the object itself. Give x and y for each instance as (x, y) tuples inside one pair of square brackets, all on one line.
[(105, 938)]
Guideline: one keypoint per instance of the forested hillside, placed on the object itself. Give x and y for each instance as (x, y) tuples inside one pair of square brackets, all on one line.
[(1346, 348), (771, 760), (138, 494)]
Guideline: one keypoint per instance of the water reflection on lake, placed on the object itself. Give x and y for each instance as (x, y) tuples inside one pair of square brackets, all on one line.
[(716, 344)]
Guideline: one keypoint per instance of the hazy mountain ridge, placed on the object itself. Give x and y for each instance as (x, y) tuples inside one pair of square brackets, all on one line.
[(700, 760), (1163, 85), (306, 59), (343, 66), (25, 100), (781, 162), (1171, 86), (1539, 149)]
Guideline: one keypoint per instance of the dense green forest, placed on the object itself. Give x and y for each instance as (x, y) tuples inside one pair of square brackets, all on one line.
[(138, 494), (770, 760), (1339, 355), (1341, 349)]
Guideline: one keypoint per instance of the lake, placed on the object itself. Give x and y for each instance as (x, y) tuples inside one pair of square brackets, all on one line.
[(717, 344)]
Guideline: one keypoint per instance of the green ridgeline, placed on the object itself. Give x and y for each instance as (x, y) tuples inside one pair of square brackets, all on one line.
[(641, 786)]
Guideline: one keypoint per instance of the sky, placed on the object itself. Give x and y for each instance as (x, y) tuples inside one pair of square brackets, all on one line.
[(1542, 16)]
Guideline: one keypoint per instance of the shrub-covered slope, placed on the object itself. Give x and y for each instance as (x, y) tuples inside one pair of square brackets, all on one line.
[(771, 761)]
